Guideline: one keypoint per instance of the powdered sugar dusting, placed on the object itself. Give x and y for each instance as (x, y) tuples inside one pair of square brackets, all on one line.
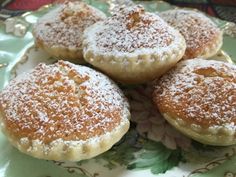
[(64, 26), (62, 101), (198, 30), (200, 91), (131, 31)]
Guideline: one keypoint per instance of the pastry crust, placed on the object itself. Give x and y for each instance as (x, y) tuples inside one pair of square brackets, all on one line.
[(203, 37), (133, 46), (198, 97), (60, 31), (63, 112)]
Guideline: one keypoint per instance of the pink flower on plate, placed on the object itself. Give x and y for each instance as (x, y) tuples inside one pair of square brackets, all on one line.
[(150, 122)]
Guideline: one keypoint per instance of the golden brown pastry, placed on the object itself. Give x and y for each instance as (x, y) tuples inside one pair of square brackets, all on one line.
[(198, 97), (63, 112), (203, 37), (133, 46), (60, 31)]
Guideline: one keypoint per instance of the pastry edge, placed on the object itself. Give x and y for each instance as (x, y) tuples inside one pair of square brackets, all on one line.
[(220, 136)]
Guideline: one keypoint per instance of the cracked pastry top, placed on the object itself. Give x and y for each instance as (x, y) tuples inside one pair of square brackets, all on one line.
[(60, 31), (203, 37), (63, 112), (198, 97), (133, 46)]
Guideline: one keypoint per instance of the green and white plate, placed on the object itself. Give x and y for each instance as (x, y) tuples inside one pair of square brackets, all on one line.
[(168, 154)]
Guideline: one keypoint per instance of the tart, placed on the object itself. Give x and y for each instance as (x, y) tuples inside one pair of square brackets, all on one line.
[(63, 112), (60, 31), (203, 37), (133, 46), (198, 97)]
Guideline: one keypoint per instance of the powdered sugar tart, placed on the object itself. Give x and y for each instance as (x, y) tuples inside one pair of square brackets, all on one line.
[(133, 46), (203, 37), (133, 155), (198, 97), (63, 112), (60, 31)]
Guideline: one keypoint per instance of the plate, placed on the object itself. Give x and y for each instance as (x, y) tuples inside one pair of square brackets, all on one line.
[(150, 148)]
